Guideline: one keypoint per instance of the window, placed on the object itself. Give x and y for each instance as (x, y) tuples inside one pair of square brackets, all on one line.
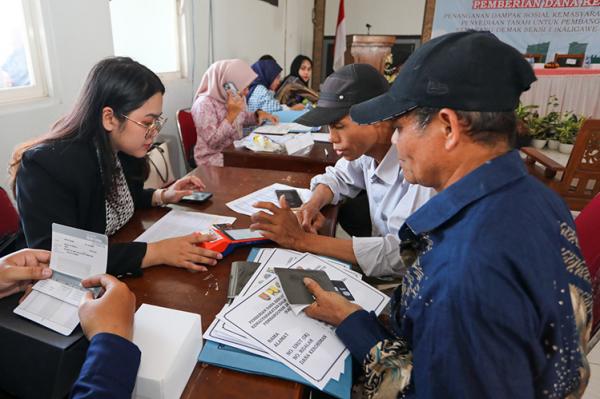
[(21, 72), (148, 32)]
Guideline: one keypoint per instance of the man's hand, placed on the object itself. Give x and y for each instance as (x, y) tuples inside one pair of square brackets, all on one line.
[(282, 226), (112, 312), (21, 268), (310, 217), (329, 307)]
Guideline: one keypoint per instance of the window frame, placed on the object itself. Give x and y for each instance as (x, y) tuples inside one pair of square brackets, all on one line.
[(180, 24), (34, 35)]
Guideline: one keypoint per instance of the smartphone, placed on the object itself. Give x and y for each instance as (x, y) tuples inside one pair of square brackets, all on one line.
[(229, 86), (197, 197), (291, 197), (238, 234)]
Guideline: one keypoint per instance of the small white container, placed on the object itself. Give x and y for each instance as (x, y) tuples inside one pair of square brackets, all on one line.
[(170, 341)]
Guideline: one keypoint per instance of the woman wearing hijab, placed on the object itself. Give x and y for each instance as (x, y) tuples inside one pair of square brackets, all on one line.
[(262, 90), (219, 113), (294, 88), (300, 71)]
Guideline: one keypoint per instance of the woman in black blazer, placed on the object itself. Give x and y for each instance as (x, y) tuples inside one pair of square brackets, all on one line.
[(87, 172)]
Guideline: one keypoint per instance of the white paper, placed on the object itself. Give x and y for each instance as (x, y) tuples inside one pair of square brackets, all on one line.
[(322, 137), (308, 347), (282, 128), (178, 223), (50, 312), (222, 331), (76, 254), (244, 204), (298, 143), (269, 258)]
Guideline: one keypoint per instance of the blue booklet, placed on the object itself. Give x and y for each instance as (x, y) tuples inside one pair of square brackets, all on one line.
[(232, 358)]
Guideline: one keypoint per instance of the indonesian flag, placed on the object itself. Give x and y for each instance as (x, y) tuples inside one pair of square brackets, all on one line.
[(339, 48)]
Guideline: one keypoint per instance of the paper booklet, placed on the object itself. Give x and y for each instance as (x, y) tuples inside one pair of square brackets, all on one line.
[(76, 255)]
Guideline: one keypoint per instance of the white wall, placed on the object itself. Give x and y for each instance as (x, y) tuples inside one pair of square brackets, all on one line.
[(79, 35), (386, 17)]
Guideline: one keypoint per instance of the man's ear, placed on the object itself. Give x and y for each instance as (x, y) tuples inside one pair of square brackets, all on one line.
[(109, 122), (453, 130)]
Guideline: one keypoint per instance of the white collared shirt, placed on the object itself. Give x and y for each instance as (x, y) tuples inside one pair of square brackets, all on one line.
[(391, 201)]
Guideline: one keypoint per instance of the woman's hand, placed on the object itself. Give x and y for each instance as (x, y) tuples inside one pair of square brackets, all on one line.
[(235, 104), (182, 187), (263, 116), (182, 252)]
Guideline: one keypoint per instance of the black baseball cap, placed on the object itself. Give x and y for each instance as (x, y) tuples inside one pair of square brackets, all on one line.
[(465, 71), (347, 86)]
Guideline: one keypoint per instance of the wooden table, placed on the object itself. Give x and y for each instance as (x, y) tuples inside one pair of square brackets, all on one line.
[(320, 156), (179, 289)]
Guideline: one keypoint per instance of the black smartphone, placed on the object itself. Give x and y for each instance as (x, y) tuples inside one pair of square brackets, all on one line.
[(197, 197), (291, 197), (238, 234)]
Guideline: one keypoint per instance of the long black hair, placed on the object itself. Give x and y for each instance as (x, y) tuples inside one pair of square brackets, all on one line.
[(295, 67), (117, 82)]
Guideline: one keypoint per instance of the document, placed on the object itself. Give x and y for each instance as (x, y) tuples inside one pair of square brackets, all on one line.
[(283, 128), (76, 255), (322, 137), (178, 223), (225, 332), (244, 204), (309, 347)]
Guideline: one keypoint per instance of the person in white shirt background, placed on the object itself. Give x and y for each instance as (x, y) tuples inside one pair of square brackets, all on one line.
[(369, 162)]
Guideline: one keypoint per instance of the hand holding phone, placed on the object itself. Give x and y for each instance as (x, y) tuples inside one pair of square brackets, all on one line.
[(230, 87), (197, 197), (291, 197)]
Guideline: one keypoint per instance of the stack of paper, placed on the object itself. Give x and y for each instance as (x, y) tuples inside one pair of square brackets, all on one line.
[(180, 223), (261, 321), (283, 128)]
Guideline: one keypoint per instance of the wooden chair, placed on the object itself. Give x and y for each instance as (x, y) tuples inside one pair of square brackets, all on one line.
[(580, 180), (569, 60), (187, 136)]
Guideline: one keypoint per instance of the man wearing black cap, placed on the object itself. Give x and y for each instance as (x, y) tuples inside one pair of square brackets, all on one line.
[(369, 162), (497, 301)]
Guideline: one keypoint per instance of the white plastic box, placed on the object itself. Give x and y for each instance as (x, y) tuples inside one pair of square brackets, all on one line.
[(170, 341)]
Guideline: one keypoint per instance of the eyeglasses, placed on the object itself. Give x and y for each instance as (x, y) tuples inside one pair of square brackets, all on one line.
[(152, 129)]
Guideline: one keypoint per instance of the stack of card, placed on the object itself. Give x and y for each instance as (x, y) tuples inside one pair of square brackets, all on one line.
[(266, 318)]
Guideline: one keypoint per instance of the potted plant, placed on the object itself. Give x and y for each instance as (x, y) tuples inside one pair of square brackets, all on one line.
[(567, 131), (527, 130), (552, 120), (537, 130)]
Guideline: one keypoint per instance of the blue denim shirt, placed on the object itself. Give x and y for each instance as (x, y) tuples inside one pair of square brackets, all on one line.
[(497, 304)]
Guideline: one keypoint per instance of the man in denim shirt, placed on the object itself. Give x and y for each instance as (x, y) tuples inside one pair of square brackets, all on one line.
[(497, 299)]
